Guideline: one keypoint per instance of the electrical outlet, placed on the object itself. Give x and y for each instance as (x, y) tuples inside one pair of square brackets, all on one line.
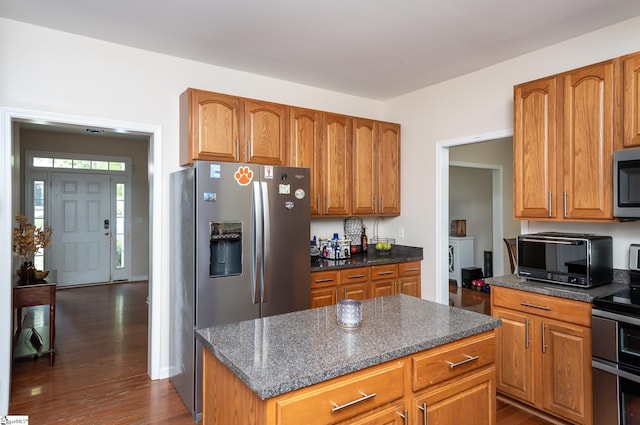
[(401, 232)]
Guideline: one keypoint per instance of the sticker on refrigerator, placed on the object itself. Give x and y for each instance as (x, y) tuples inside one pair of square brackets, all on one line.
[(288, 205), (209, 197), (243, 176), (284, 189), (214, 171), (268, 171), (299, 194)]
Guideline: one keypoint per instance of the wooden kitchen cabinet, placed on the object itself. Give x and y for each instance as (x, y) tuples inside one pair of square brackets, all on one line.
[(395, 392), (265, 132), (210, 126), (410, 281), (376, 167), (543, 354), (324, 288), (354, 283), (384, 280), (469, 400), (336, 165), (631, 100), (565, 123), (219, 127), (305, 149)]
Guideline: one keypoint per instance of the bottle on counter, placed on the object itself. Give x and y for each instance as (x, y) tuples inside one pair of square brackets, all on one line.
[(364, 240)]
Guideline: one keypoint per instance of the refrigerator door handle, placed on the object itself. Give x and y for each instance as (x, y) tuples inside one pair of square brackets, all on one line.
[(266, 241), (257, 244)]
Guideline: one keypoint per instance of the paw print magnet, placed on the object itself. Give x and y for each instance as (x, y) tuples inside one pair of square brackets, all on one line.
[(243, 176)]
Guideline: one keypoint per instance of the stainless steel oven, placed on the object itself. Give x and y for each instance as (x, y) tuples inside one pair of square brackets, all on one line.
[(616, 367)]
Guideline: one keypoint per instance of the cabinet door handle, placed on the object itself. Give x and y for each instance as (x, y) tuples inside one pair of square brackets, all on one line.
[(383, 273), (382, 205), (326, 204), (550, 204), (336, 293), (465, 361), (526, 333), (405, 416), (364, 397), (319, 206), (539, 307), (424, 413), (355, 276), (323, 280), (344, 294), (565, 204), (412, 269), (375, 204), (544, 339)]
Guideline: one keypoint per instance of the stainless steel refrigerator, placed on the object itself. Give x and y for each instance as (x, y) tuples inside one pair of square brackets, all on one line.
[(240, 251)]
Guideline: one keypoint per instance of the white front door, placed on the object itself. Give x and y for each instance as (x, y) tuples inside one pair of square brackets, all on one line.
[(80, 216)]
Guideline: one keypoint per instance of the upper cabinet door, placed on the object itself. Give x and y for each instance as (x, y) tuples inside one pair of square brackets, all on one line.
[(265, 132), (209, 126), (631, 102), (534, 149), (588, 142), (305, 148), (365, 166), (388, 169), (336, 148)]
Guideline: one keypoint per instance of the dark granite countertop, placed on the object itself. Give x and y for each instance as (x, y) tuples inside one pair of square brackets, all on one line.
[(279, 354), (398, 254), (561, 291)]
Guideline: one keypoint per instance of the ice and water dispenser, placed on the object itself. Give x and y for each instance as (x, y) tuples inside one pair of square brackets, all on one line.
[(225, 242)]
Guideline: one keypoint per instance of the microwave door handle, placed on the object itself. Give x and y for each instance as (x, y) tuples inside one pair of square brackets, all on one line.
[(547, 241)]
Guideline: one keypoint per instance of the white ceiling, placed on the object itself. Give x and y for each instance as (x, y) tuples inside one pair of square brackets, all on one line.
[(372, 48)]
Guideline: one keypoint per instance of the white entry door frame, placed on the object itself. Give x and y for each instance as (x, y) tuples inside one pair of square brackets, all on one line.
[(9, 206)]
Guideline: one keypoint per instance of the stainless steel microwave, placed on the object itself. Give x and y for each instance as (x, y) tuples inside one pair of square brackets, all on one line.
[(583, 260), (626, 184)]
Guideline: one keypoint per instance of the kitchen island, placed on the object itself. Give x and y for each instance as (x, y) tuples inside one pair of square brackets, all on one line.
[(398, 365)]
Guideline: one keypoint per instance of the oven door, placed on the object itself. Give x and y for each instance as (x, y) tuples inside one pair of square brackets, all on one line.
[(616, 395)]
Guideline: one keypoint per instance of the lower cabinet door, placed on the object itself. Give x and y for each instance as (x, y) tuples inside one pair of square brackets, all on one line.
[(516, 341), (566, 368), (470, 400), (323, 297)]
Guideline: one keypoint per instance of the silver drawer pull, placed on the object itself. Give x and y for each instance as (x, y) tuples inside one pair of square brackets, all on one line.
[(354, 276), (323, 280), (539, 307), (411, 269), (351, 403), (381, 273), (467, 360)]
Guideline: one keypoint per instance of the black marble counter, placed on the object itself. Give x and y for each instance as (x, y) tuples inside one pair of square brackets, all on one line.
[(278, 354), (398, 254)]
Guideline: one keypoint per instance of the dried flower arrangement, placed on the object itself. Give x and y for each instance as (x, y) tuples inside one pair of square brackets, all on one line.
[(28, 239)]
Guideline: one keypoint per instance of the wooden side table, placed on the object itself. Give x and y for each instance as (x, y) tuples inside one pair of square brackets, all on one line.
[(29, 296)]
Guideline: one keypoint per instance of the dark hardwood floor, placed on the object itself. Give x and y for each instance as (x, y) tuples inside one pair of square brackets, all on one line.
[(100, 374)]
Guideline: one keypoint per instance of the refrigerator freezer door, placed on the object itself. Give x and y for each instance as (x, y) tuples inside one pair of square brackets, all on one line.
[(286, 281)]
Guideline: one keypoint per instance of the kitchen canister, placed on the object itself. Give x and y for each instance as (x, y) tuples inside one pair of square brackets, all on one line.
[(349, 314)]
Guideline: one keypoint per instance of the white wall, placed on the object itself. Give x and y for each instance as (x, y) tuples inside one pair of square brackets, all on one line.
[(481, 103)]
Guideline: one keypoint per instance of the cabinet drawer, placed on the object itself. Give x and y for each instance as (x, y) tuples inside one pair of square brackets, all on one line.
[(359, 274), (343, 397), (442, 363), (411, 268), (323, 279), (387, 271), (570, 311)]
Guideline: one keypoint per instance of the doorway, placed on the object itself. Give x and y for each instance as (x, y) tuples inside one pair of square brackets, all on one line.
[(10, 124), (442, 209)]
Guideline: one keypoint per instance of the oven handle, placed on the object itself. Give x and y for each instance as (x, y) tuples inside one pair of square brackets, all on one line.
[(550, 241), (615, 371), (615, 316)]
